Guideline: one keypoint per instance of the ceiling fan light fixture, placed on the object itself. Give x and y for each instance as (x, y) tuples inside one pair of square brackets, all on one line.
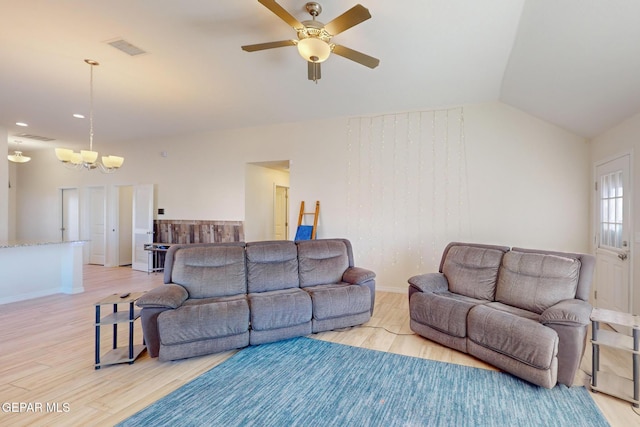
[(314, 41), (314, 50)]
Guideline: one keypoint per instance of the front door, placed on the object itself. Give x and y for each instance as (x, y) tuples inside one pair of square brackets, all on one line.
[(613, 250)]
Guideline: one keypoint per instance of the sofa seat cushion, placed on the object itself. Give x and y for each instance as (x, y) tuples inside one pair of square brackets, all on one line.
[(515, 311), (279, 309), (340, 299), (472, 271), (204, 319), (445, 312), (535, 282), (522, 339)]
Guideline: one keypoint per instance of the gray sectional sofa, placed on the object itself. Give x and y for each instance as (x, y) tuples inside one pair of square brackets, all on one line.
[(524, 311), (223, 296)]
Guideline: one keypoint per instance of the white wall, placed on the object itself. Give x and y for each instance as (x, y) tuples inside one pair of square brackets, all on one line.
[(529, 180), (622, 139), (259, 201), (527, 184), (38, 210)]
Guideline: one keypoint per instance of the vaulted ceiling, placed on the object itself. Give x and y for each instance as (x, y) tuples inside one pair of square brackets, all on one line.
[(574, 63)]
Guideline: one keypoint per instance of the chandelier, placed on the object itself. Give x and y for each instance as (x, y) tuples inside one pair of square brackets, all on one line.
[(88, 159), (17, 156)]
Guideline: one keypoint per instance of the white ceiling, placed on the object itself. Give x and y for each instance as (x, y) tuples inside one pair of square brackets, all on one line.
[(575, 63)]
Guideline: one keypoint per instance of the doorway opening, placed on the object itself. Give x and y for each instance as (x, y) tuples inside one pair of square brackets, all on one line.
[(132, 217), (267, 186)]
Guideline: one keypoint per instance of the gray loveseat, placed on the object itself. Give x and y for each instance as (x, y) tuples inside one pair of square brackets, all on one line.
[(524, 311), (222, 296)]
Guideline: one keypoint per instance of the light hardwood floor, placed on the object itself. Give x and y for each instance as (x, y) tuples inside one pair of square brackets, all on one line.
[(47, 356)]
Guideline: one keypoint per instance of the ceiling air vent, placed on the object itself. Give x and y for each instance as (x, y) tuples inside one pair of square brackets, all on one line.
[(126, 47), (36, 137)]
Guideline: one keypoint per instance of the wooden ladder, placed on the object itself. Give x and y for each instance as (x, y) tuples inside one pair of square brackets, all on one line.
[(303, 230)]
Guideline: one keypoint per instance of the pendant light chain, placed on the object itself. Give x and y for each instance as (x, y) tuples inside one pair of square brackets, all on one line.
[(91, 107)]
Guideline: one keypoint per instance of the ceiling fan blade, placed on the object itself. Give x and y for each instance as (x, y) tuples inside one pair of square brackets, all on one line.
[(313, 69), (354, 55), (270, 45), (350, 18), (282, 13)]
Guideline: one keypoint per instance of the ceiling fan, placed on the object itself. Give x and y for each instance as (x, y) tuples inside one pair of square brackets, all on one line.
[(314, 38)]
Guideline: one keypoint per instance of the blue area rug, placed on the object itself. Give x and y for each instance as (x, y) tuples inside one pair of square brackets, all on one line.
[(307, 382)]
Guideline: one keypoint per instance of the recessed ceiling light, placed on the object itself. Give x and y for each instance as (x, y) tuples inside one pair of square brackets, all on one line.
[(22, 124), (78, 116)]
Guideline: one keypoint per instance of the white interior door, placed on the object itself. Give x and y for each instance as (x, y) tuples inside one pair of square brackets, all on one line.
[(97, 226), (70, 228), (281, 213), (125, 225), (613, 250), (142, 225)]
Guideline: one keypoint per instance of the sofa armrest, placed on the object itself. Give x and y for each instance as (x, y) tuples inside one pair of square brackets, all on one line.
[(363, 277), (430, 282), (570, 312), (165, 296), (357, 275)]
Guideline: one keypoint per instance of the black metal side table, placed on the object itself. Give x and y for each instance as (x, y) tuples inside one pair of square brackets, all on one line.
[(117, 354)]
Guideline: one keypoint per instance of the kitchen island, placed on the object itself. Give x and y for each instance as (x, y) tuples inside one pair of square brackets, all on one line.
[(35, 269)]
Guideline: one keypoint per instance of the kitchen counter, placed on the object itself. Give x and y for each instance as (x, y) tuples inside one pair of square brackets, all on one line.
[(35, 269)]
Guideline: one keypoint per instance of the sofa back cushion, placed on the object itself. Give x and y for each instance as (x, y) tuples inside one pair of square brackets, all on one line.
[(587, 267), (322, 262), (472, 271), (272, 266), (208, 271), (535, 282)]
